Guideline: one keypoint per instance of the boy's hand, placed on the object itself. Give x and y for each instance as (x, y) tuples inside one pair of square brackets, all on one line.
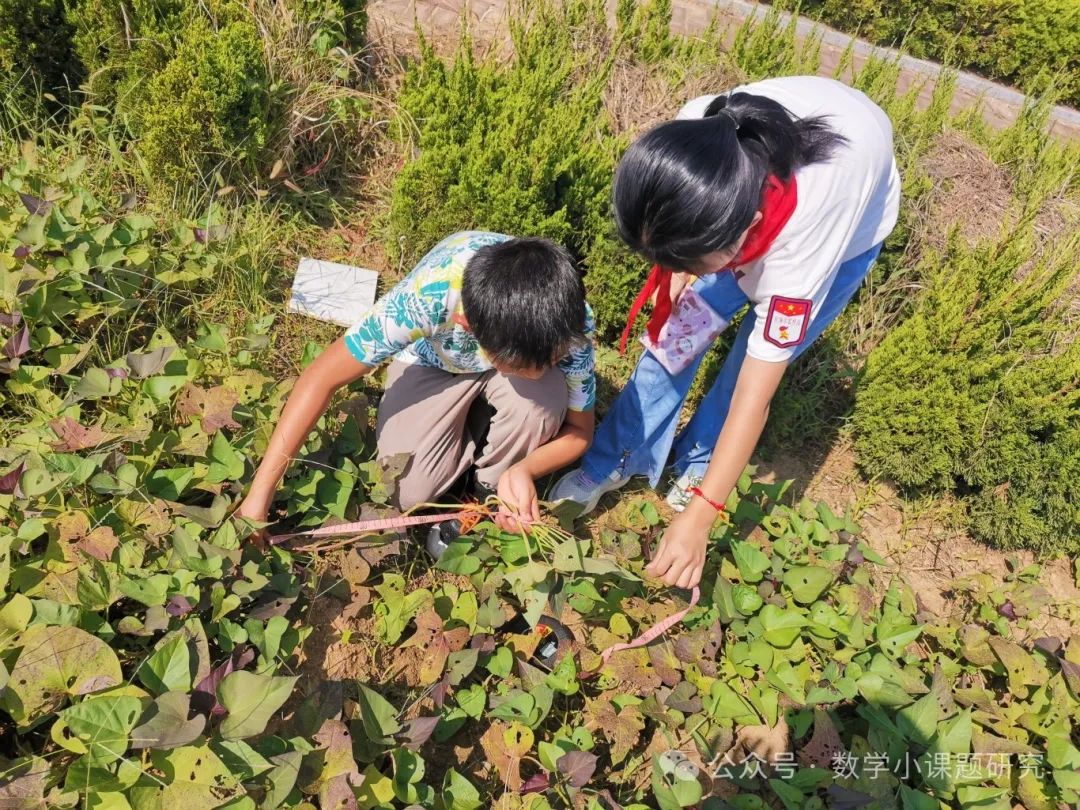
[(681, 555), (255, 511), (517, 492)]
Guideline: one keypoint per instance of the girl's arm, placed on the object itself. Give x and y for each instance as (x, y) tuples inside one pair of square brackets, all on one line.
[(308, 401), (517, 487), (681, 555)]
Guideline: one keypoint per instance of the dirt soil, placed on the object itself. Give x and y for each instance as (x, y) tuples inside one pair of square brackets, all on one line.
[(925, 541)]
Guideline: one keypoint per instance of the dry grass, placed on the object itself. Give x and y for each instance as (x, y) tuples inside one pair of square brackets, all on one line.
[(971, 192)]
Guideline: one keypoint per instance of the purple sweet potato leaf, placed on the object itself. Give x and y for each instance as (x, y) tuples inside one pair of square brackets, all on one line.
[(537, 783), (440, 691), (417, 731), (577, 766), (178, 605), (204, 698), (35, 205), (9, 482), (18, 344), (1050, 645)]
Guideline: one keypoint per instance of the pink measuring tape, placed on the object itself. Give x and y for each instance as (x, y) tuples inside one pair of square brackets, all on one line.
[(376, 525), (649, 635), (386, 524)]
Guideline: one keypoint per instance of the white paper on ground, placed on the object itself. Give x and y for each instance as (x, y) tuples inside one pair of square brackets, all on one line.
[(339, 293)]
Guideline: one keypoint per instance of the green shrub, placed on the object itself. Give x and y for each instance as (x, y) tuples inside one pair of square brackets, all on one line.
[(191, 80), (523, 148), (35, 40), (209, 106), (974, 392), (1025, 42), (122, 45)]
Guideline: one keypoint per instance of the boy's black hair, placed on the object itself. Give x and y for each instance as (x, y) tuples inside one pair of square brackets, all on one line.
[(690, 187), (525, 302)]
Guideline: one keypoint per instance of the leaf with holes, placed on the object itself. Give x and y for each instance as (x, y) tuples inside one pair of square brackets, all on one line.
[(103, 724), (751, 561), (55, 663), (807, 582), (1021, 668), (505, 745)]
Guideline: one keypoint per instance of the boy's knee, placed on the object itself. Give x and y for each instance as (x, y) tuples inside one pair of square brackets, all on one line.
[(415, 487)]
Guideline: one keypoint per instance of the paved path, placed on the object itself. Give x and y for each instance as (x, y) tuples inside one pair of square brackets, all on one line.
[(1000, 104)]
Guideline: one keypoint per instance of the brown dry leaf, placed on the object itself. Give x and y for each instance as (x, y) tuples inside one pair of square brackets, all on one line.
[(153, 516), (764, 742), (505, 744), (634, 670), (436, 644), (100, 543), (74, 436), (620, 728), (73, 533), (70, 526), (701, 647), (666, 662), (212, 406), (354, 568), (523, 645), (824, 745)]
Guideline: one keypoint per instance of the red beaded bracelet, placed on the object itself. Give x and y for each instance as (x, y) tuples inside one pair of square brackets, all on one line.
[(719, 507)]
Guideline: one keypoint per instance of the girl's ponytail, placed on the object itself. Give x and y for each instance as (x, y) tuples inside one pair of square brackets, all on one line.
[(765, 128), (688, 188)]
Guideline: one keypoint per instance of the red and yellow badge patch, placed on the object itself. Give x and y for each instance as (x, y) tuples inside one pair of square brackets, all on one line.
[(787, 321)]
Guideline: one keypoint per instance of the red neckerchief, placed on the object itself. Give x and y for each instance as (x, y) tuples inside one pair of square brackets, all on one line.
[(777, 205)]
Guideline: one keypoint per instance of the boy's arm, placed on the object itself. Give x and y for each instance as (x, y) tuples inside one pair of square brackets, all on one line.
[(569, 444), (310, 397)]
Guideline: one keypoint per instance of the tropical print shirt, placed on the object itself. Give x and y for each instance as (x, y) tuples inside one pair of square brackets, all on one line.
[(414, 322)]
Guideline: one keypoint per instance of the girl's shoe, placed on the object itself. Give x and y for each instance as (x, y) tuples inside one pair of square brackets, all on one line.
[(576, 486), (678, 496)]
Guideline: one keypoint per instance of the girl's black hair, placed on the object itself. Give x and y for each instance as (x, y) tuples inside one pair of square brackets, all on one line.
[(690, 187), (524, 300)]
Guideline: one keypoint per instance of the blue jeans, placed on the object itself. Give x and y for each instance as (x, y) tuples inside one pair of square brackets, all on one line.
[(637, 434)]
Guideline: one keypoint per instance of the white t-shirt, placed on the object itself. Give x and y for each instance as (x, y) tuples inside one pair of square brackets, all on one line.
[(846, 205)]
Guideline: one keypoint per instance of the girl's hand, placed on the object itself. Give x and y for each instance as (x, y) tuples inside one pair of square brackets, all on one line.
[(681, 556), (517, 492)]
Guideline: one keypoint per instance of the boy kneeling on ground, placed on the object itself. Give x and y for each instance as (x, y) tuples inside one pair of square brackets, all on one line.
[(492, 369)]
